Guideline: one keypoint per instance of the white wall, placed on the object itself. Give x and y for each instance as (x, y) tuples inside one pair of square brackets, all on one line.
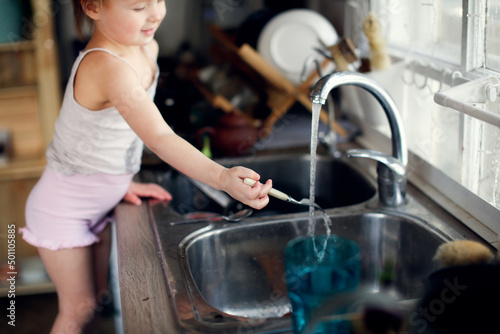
[(174, 28)]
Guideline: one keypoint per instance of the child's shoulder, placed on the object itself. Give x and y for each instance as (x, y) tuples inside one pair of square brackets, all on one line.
[(99, 59), (100, 77), (101, 64)]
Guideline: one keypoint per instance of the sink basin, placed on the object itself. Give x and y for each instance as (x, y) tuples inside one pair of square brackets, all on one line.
[(225, 277), (339, 184), (240, 270)]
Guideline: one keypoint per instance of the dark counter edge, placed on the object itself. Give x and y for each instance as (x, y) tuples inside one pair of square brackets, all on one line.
[(144, 302)]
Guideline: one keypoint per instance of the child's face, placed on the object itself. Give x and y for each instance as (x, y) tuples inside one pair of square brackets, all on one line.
[(131, 22)]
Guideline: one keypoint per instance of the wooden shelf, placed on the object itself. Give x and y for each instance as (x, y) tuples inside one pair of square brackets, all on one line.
[(29, 289), (18, 91), (30, 99), (22, 169), (30, 96), (17, 46)]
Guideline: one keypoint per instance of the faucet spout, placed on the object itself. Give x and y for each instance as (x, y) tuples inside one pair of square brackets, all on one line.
[(397, 176)]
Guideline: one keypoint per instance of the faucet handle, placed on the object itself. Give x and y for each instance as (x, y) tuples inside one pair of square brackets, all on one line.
[(395, 165), (391, 176)]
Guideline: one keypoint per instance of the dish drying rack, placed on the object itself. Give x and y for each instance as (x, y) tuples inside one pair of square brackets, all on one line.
[(281, 93)]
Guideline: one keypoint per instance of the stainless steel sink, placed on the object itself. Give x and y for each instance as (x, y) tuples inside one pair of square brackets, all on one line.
[(339, 184), (229, 278), (239, 270)]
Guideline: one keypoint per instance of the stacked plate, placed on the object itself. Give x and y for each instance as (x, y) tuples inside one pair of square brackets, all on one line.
[(289, 40)]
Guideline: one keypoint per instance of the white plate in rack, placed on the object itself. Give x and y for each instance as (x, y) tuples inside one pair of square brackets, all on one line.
[(290, 38)]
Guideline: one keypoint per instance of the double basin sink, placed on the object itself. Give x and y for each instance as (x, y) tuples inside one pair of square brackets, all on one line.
[(226, 277)]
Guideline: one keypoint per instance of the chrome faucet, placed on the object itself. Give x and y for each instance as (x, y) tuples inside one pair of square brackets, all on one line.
[(391, 170)]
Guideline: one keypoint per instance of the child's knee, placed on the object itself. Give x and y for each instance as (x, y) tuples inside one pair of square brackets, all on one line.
[(87, 308), (75, 320), (80, 310)]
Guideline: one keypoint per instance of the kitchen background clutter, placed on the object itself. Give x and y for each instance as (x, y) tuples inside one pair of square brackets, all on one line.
[(233, 84)]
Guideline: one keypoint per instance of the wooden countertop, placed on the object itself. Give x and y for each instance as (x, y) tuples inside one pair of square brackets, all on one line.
[(144, 299)]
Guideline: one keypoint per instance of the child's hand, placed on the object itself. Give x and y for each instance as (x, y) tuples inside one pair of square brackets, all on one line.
[(137, 190), (256, 196)]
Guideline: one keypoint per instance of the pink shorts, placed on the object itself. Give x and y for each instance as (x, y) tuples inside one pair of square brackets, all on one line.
[(70, 211)]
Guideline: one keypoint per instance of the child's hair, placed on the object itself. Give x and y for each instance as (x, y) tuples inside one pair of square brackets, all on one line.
[(80, 16)]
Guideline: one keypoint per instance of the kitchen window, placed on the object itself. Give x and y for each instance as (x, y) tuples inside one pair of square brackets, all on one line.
[(440, 44)]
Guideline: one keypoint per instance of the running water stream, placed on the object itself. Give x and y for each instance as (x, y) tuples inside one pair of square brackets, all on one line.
[(316, 110)]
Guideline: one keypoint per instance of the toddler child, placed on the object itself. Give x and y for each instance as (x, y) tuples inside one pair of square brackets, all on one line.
[(106, 116)]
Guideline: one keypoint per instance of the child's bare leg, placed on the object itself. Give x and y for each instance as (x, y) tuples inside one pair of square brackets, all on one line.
[(100, 265), (72, 274), (101, 252)]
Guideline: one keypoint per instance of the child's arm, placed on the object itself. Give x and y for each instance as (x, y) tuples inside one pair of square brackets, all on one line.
[(119, 84)]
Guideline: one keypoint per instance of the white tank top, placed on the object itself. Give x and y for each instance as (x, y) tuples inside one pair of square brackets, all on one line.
[(89, 142)]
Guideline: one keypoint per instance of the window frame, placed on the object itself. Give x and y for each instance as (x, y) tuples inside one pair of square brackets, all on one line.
[(472, 210)]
